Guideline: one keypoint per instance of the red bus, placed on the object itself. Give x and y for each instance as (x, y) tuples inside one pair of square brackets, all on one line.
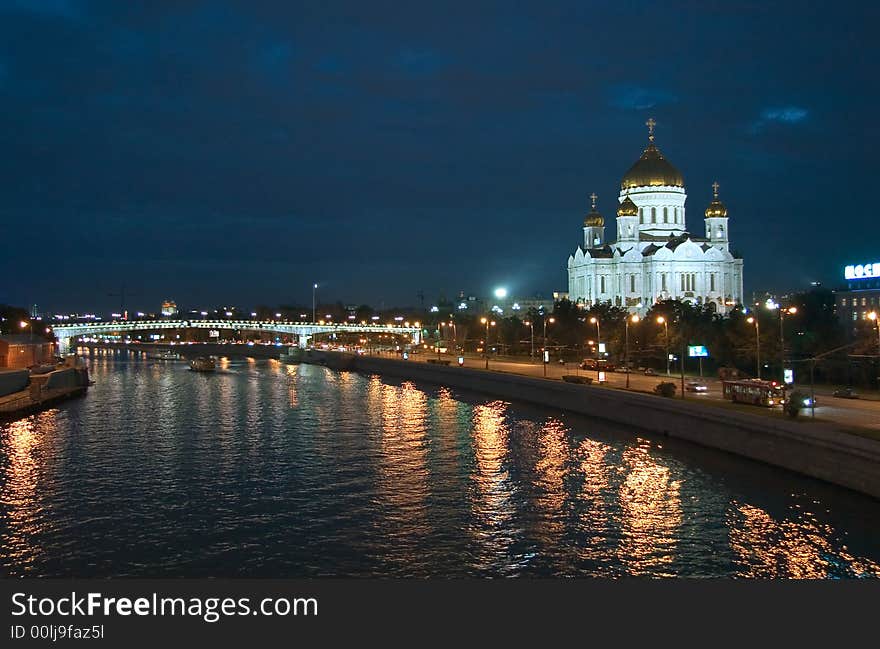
[(754, 392)]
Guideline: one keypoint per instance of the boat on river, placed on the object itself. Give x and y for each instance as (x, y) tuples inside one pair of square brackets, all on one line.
[(203, 364)]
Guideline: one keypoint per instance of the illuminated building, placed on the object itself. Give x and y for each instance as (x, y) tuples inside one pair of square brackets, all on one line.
[(169, 308), (655, 257), (861, 296)]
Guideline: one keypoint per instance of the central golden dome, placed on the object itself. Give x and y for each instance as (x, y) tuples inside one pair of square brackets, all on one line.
[(652, 170)]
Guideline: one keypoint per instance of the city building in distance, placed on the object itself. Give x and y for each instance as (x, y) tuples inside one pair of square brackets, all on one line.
[(655, 257), (169, 308), (861, 297)]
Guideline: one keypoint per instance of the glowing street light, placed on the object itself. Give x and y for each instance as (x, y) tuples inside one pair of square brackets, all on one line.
[(544, 351), (665, 323), (488, 323), (634, 319), (501, 293), (754, 320), (314, 301), (782, 312), (531, 326), (594, 320)]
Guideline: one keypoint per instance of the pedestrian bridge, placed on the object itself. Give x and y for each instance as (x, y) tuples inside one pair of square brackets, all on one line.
[(304, 331)]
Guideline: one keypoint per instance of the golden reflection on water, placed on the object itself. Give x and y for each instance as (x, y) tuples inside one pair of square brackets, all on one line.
[(594, 497), (493, 504), (292, 394), (550, 471), (402, 472), (799, 549), (650, 502), (24, 521)]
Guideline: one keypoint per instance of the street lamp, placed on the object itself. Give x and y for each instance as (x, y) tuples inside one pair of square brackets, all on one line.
[(314, 300), (754, 320), (876, 319), (594, 320), (665, 323), (531, 326), (545, 359), (634, 319), (488, 323), (782, 312)]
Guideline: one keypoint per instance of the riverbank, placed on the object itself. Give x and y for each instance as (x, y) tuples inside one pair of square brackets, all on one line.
[(44, 391), (815, 449)]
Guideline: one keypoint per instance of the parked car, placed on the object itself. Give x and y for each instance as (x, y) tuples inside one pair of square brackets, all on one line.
[(650, 372), (693, 386), (846, 393)]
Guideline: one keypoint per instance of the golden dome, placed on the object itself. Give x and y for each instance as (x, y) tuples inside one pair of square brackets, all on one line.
[(716, 208), (627, 208), (652, 170), (594, 220)]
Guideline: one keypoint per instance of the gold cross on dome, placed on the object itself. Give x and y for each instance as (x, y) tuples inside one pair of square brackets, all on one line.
[(593, 197), (715, 187), (651, 124)]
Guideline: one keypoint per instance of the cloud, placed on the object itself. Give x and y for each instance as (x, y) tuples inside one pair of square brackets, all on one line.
[(779, 115), (637, 97)]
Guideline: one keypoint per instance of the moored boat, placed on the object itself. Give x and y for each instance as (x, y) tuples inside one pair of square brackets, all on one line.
[(203, 364)]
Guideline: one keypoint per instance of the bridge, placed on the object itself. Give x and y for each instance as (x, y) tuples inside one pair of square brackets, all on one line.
[(304, 331)]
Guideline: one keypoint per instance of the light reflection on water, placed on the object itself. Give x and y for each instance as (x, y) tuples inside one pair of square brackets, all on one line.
[(265, 469)]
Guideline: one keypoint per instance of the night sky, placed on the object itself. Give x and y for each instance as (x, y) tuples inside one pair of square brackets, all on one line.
[(221, 153)]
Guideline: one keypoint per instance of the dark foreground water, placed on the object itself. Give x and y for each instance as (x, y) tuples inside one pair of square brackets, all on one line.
[(271, 470)]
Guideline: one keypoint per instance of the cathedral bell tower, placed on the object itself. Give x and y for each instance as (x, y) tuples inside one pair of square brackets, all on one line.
[(716, 221), (594, 227)]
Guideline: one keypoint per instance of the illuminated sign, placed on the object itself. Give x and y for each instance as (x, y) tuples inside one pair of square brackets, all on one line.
[(697, 351), (862, 271), (788, 376), (213, 333)]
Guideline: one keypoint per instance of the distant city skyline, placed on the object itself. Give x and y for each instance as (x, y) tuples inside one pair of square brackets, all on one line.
[(222, 153)]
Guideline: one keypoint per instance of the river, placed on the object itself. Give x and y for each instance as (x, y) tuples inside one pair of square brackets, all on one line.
[(270, 470)]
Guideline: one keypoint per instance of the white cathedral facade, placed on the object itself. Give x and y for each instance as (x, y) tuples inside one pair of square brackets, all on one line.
[(655, 257)]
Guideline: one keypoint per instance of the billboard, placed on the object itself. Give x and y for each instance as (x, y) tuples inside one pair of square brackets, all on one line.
[(697, 351)]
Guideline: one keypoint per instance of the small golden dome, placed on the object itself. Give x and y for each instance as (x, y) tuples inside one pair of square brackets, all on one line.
[(627, 208), (594, 220), (716, 208)]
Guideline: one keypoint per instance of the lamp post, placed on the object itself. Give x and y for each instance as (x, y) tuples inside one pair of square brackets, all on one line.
[(314, 301), (545, 359), (782, 312), (488, 323), (754, 320), (665, 323), (531, 326), (634, 318), (594, 320), (874, 317)]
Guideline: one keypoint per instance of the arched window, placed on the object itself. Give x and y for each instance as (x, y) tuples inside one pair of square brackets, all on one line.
[(666, 215), (653, 215), (675, 215), (641, 215)]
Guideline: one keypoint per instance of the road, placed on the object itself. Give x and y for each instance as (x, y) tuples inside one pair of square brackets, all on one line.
[(848, 412)]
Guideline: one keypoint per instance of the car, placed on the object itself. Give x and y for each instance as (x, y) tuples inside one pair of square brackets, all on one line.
[(693, 386), (846, 393), (650, 372)]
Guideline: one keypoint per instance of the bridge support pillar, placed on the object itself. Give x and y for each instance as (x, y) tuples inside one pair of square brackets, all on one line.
[(64, 346), (303, 340)]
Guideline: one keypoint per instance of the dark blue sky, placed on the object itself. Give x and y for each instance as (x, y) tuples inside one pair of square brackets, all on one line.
[(237, 152)]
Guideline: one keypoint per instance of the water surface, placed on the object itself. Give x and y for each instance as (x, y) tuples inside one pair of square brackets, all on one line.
[(271, 470)]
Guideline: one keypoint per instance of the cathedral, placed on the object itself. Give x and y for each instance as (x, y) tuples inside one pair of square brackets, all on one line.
[(655, 257)]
